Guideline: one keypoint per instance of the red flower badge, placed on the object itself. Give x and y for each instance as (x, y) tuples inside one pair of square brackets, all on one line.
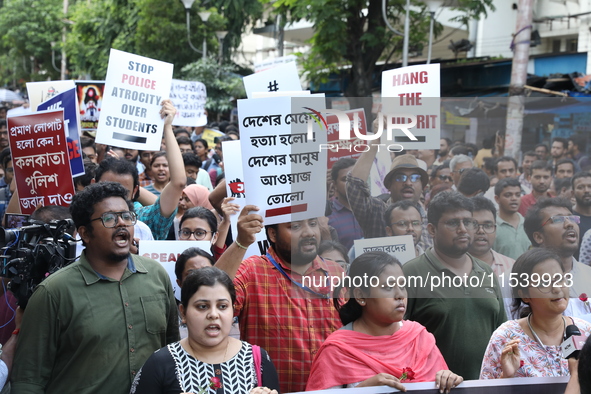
[(583, 297), (407, 374), (216, 383)]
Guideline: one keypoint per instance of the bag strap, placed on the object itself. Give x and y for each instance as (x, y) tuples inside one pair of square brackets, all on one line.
[(256, 354)]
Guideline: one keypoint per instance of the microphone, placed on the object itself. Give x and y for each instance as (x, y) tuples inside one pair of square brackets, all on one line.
[(573, 342)]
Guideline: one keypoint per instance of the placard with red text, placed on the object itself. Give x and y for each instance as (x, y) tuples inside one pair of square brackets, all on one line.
[(134, 88), (411, 107), (40, 160)]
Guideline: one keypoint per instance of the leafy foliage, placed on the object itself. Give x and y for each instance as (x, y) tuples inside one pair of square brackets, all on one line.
[(152, 28), (27, 28), (353, 34), (222, 83)]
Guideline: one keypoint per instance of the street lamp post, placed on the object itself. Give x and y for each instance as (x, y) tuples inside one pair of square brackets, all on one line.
[(188, 4), (204, 15), (433, 7), (221, 35)]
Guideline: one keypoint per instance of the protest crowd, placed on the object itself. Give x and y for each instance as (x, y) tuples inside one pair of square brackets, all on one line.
[(109, 322)]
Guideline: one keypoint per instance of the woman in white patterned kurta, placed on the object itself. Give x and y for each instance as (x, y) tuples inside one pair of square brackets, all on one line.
[(188, 366), (522, 348)]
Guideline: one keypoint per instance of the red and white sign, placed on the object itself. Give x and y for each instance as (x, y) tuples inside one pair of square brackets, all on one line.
[(40, 160), (345, 147)]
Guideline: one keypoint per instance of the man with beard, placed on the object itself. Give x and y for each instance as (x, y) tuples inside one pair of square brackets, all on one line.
[(581, 186), (528, 158), (91, 326), (445, 291), (550, 224), (558, 150), (444, 147), (283, 303), (541, 180)]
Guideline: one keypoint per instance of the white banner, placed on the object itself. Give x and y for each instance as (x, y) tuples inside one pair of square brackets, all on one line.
[(284, 169), (134, 88), (189, 99), (283, 78), (414, 90), (167, 253), (400, 246)]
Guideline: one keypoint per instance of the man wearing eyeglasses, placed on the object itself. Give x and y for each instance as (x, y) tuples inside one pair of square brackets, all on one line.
[(551, 224), (459, 303), (458, 165), (405, 181), (90, 326), (404, 218)]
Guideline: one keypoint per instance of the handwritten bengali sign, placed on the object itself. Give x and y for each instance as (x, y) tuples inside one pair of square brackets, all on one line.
[(400, 246), (284, 169), (167, 253), (134, 88), (67, 100), (40, 160), (90, 102), (413, 90), (189, 99)]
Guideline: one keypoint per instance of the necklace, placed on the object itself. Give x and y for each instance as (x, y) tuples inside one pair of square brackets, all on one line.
[(537, 338), (197, 358)]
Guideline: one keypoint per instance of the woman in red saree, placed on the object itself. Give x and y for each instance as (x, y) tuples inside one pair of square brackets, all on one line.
[(376, 347)]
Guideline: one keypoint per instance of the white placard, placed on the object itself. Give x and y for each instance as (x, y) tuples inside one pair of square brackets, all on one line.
[(277, 79), (414, 90), (400, 246), (189, 99), (284, 170), (235, 188), (134, 88), (276, 61), (167, 253)]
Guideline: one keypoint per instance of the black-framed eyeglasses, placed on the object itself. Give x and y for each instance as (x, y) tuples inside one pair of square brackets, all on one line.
[(559, 219), (445, 178), (199, 234), (404, 224), (404, 177), (110, 219), (454, 224), (488, 228)]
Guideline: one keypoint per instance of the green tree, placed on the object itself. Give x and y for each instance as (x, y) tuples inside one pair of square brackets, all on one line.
[(353, 33), (222, 83), (27, 29)]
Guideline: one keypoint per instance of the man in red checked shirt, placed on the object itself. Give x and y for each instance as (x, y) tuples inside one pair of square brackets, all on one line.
[(275, 308)]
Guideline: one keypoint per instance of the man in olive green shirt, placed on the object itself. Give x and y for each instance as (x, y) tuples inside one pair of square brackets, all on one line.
[(89, 327), (464, 309)]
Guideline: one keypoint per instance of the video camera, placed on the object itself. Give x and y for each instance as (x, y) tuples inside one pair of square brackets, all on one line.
[(33, 252)]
